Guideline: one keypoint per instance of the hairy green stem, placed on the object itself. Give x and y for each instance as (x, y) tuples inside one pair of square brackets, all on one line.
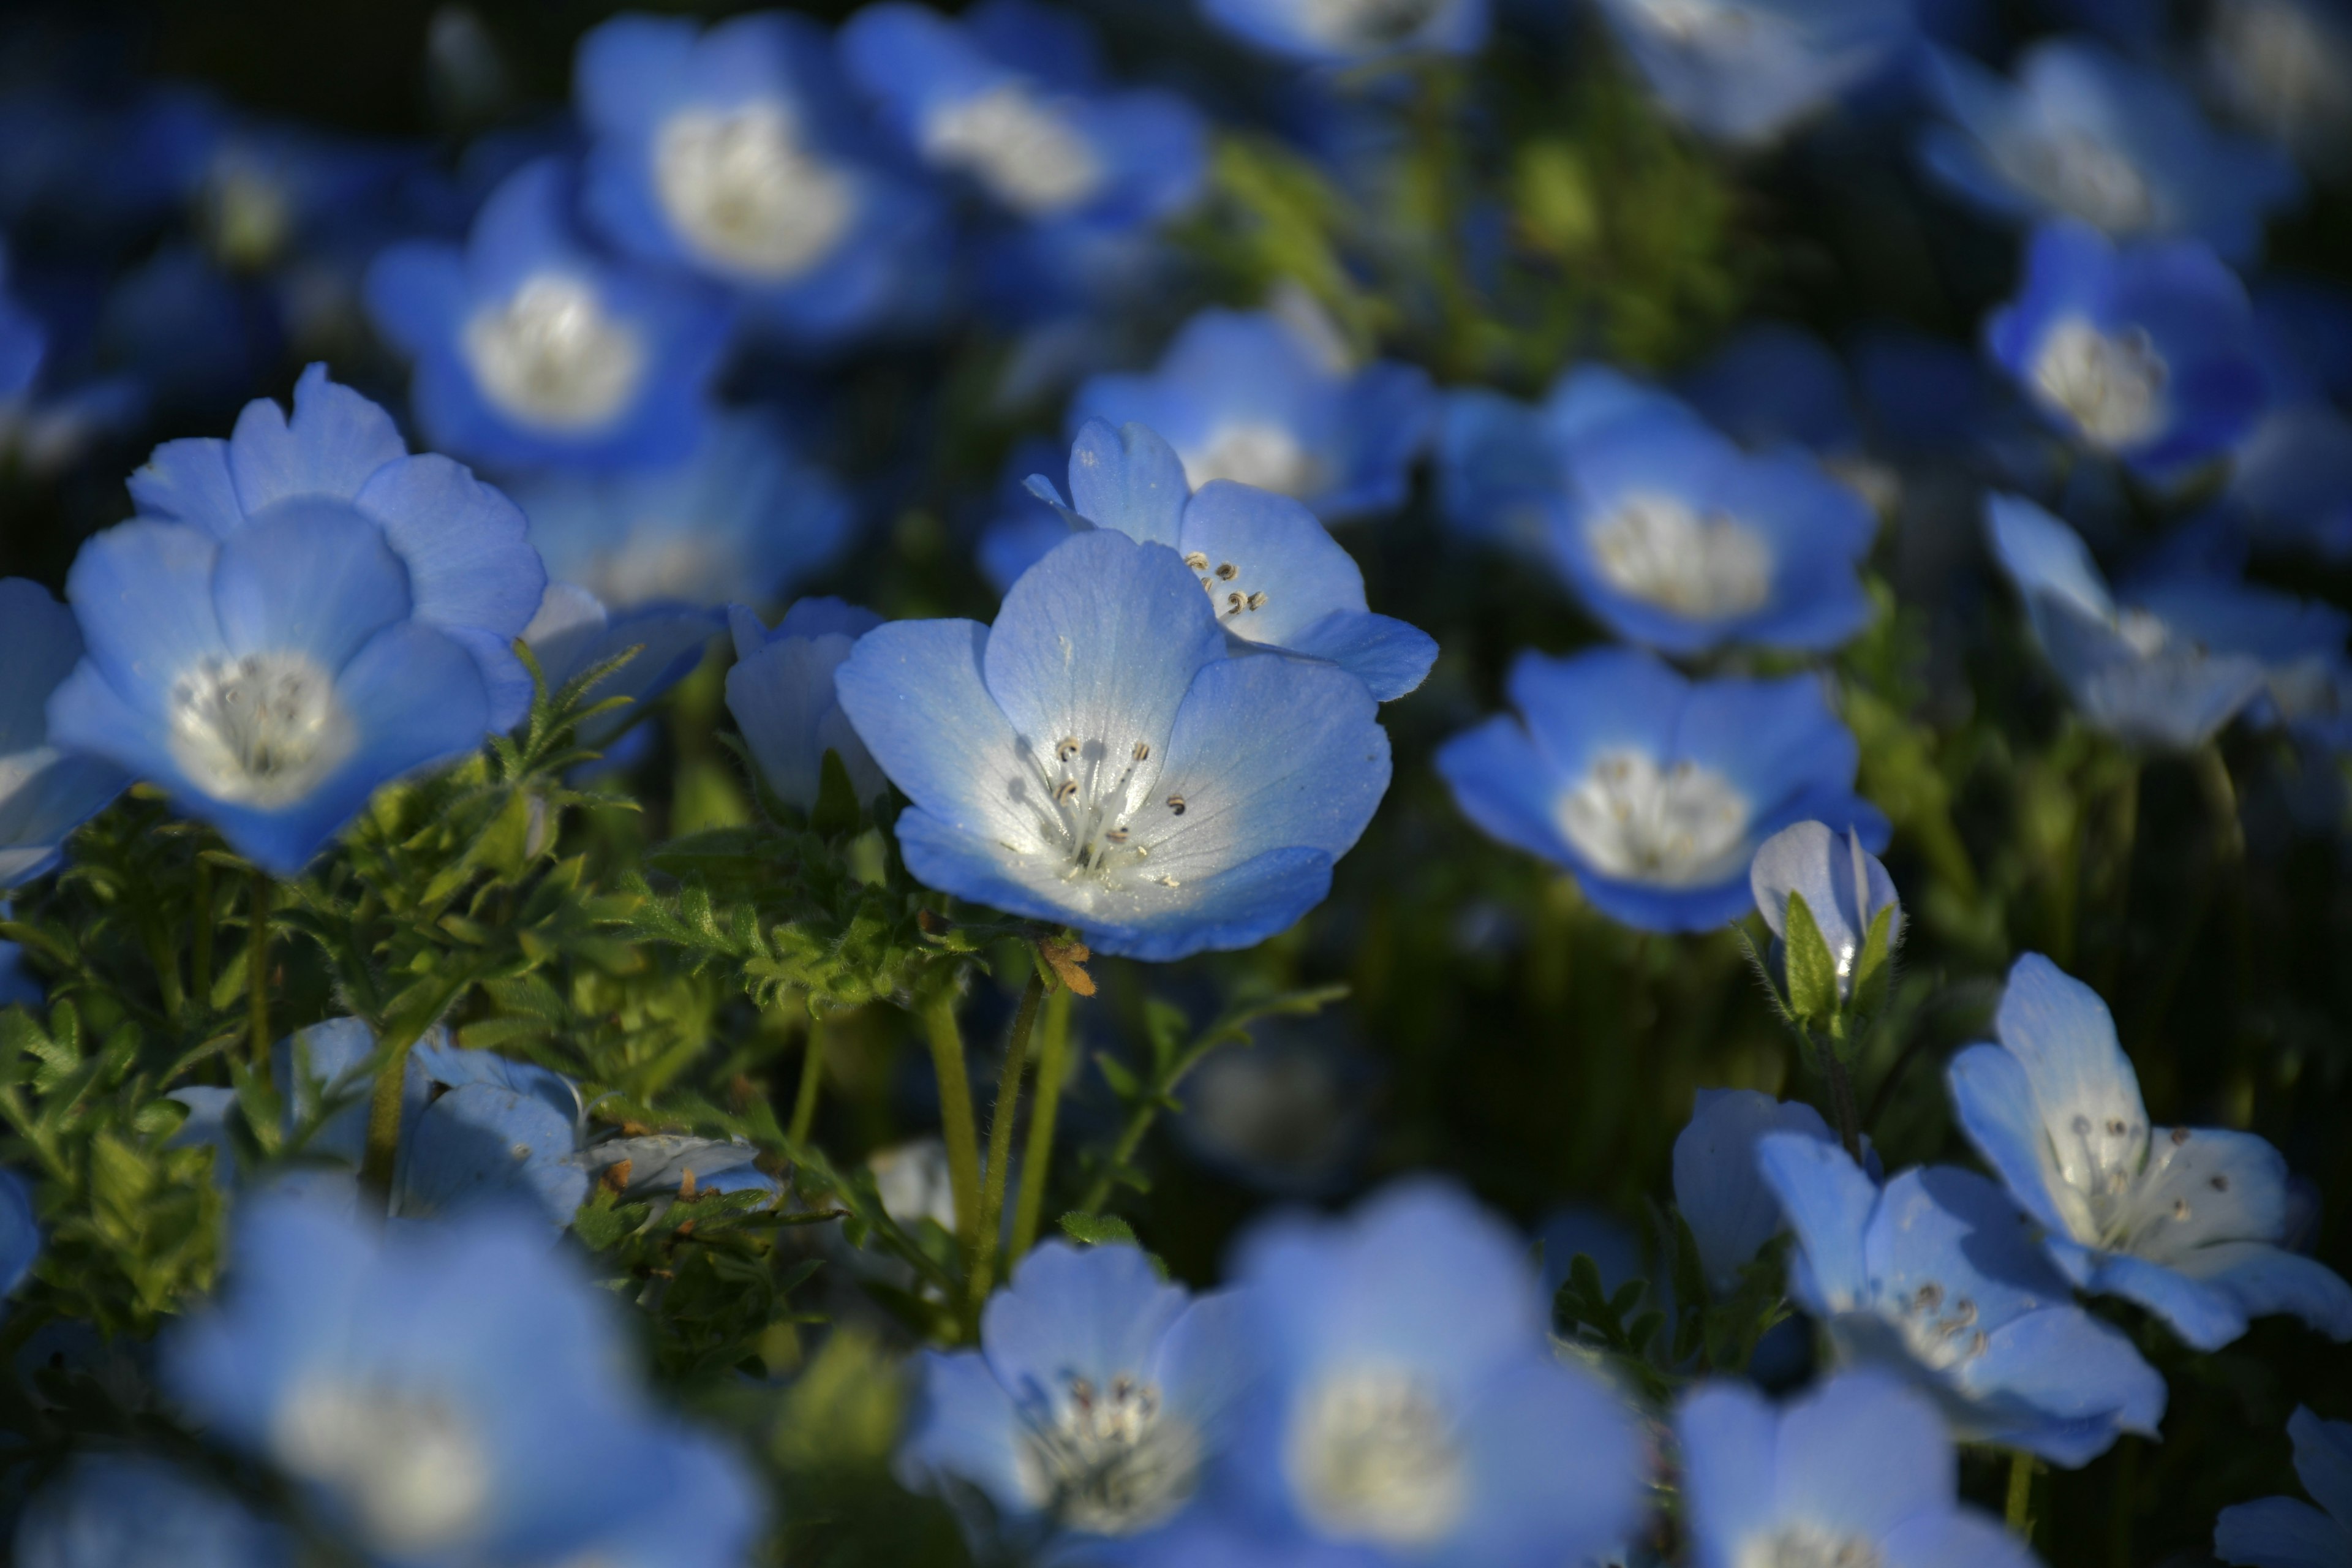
[(1000, 1117), (1053, 1065), (812, 1075), (959, 1129), (1849, 1121), (257, 974)]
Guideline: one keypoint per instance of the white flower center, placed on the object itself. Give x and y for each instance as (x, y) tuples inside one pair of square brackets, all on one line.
[(1374, 1457), (1255, 453), (1110, 1460), (2142, 632), (1808, 1546), (1656, 548), (1096, 820), (1677, 827), (1692, 22), (264, 730), (1026, 153), (2077, 172), (1229, 589), (410, 1468), (1941, 1327), (746, 195), (552, 356), (1366, 23), (2112, 387)]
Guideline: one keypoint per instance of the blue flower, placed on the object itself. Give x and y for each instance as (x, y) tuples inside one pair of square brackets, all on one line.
[(450, 1393), (1098, 1396), (574, 633), (2288, 1532), (532, 349), (297, 616), (1771, 383), (2087, 135), (2128, 669), (1096, 758), (1858, 1469), (24, 341), (2291, 484), (744, 515), (129, 1511), (1844, 887), (780, 691), (1654, 790), (2186, 1222), (1746, 71), (1023, 527), (1344, 32), (2147, 352), (1670, 534), (2282, 66), (1936, 1278), (45, 793), (1273, 575), (1009, 96), (1412, 1410), (1717, 1183), (735, 153), (20, 1231), (1259, 400)]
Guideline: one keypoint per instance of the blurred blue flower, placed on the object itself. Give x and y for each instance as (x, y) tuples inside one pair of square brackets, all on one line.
[(1669, 533), (1844, 887), (1412, 1410), (1746, 72), (451, 1393), (655, 1164), (2309, 323), (1344, 32), (2288, 1532), (297, 616), (264, 191), (20, 1231), (1858, 1469), (2291, 484), (2186, 1222), (1655, 791), (736, 152), (2087, 135), (1771, 383), (1274, 403), (1274, 577), (532, 349), (45, 793), (129, 1511), (781, 694), (2147, 352), (1096, 1397), (1719, 1186), (2284, 66), (1010, 96), (744, 515), (24, 341), (2128, 669), (1937, 1278), (574, 633), (1293, 1115), (1024, 526), (1096, 758)]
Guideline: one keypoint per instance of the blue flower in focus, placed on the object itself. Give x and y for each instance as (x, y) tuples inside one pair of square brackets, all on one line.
[(297, 616), (1857, 1469), (1344, 32), (1096, 758), (2288, 1532), (2186, 1222), (1844, 887), (1746, 71), (127, 1511), (1936, 1278), (735, 153), (1098, 1396), (1271, 404), (1273, 575), (1412, 1410), (1670, 534), (744, 515), (2147, 352), (2085, 135), (45, 793), (1717, 1185), (532, 349), (2129, 670), (1010, 97), (451, 1393), (1655, 791), (780, 691)]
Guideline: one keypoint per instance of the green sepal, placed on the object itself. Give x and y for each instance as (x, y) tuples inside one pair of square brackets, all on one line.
[(1873, 970), (1812, 975)]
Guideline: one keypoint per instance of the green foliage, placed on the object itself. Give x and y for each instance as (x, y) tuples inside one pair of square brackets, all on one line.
[(1665, 1339)]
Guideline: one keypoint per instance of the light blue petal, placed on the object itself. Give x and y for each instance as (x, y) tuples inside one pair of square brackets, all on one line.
[(2063, 1385), (142, 593), (1129, 480), (1729, 1437), (308, 579), (335, 442), (966, 1426), (1956, 1237), (1957, 1539), (1274, 546), (1717, 1187), (2044, 556), (481, 1142), (1586, 705), (2280, 1532), (2323, 1460), (1555, 1464), (2084, 1085), (1993, 1097), (1093, 1314), (188, 481), (1505, 786), (1388, 656), (1829, 1201), (918, 696), (2263, 1280), (2206, 1317), (1861, 1453)]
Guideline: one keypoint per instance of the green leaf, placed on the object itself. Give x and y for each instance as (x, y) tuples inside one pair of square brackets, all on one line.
[(1811, 971), (1873, 969), (1099, 1230)]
